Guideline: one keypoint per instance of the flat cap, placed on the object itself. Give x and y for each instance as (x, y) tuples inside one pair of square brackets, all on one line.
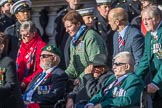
[(20, 5), (85, 11), (100, 60), (52, 49), (2, 2), (100, 2)]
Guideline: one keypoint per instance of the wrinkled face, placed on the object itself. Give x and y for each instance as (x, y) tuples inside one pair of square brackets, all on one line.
[(104, 10), (46, 60), (23, 16), (98, 70), (6, 8), (26, 35), (119, 67), (74, 4), (88, 20), (112, 22), (71, 28), (150, 23)]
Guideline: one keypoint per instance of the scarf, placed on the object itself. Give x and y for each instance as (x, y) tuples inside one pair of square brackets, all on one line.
[(29, 93), (25, 62), (79, 33), (27, 96)]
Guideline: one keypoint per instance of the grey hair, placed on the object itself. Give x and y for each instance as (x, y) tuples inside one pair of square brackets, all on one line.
[(153, 11), (127, 56), (58, 59), (28, 25)]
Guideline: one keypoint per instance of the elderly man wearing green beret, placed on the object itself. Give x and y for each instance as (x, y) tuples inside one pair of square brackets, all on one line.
[(48, 86)]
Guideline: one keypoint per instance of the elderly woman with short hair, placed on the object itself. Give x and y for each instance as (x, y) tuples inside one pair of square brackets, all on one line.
[(29, 53)]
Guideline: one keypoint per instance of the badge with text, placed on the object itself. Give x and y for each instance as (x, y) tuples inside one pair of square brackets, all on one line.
[(44, 89), (2, 75), (80, 45)]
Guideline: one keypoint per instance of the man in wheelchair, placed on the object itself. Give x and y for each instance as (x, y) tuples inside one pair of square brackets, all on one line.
[(96, 73)]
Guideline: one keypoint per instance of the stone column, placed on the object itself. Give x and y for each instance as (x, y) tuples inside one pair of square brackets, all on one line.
[(35, 18), (50, 26)]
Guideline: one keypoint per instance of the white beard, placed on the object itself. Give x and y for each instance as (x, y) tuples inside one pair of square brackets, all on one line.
[(46, 66)]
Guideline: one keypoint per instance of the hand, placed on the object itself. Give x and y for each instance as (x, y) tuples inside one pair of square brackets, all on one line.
[(26, 102), (23, 85), (98, 106), (76, 81), (151, 88), (88, 69), (69, 103)]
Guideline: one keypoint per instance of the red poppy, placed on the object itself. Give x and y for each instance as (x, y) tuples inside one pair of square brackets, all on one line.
[(119, 84), (1, 72), (49, 75)]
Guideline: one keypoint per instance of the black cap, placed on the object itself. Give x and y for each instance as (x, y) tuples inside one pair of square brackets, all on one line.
[(100, 60)]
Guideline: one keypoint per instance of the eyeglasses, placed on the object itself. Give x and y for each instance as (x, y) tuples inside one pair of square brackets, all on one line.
[(45, 55), (119, 64)]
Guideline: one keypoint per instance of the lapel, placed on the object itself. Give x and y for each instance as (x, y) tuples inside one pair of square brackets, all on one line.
[(116, 44), (37, 77), (159, 34), (49, 75), (33, 81), (148, 45), (127, 33)]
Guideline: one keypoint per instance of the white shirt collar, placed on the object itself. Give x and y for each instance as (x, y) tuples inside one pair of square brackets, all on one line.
[(154, 33), (49, 70), (122, 33)]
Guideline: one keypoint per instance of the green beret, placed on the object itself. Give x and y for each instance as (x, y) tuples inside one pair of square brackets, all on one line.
[(52, 49)]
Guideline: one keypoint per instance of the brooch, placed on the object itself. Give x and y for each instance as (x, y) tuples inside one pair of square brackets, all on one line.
[(2, 77)]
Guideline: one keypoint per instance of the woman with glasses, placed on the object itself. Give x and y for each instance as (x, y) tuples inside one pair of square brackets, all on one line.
[(10, 95), (28, 57)]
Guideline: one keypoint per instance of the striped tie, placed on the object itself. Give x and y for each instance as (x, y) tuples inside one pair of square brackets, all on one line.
[(110, 86), (121, 42)]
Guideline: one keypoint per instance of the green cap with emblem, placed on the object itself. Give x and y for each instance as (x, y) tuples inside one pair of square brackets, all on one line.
[(52, 49), (2, 2)]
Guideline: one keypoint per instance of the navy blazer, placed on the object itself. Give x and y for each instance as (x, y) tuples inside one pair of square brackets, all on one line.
[(57, 82), (134, 43), (10, 94)]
